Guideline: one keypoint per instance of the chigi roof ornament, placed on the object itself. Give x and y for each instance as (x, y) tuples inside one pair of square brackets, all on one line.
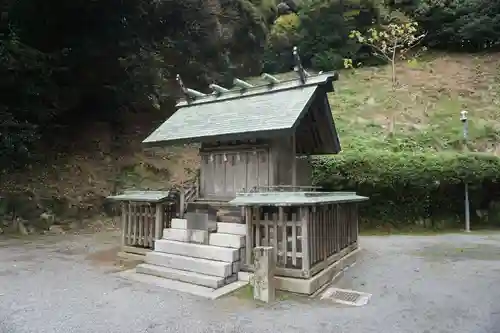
[(190, 94), (243, 88), (298, 66)]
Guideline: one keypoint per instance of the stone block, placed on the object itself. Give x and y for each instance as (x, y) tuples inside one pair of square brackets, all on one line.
[(183, 276), (197, 250), (179, 224), (194, 221), (185, 235), (236, 267), (243, 254), (201, 221), (227, 240), (197, 265), (263, 280), (232, 228)]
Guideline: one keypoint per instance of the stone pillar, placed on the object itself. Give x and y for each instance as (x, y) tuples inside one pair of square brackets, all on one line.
[(263, 279), (158, 221)]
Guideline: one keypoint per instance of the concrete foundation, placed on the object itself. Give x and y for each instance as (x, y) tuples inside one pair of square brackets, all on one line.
[(312, 285)]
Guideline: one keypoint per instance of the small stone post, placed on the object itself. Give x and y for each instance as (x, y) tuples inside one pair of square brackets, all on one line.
[(158, 221), (263, 279)]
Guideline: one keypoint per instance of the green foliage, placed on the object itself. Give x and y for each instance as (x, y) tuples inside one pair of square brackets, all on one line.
[(91, 61), (284, 35), (248, 25), (322, 35), (267, 8), (468, 25), (407, 187), (325, 28), (28, 96)]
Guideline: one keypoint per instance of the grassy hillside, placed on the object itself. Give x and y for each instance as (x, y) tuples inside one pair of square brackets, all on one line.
[(426, 105)]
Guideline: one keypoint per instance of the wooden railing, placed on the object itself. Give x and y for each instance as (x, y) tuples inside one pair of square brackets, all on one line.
[(144, 222), (306, 239), (189, 193), (282, 188)]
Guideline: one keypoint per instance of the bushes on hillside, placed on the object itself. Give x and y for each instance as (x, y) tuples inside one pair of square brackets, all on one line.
[(321, 31), (406, 187), (468, 25)]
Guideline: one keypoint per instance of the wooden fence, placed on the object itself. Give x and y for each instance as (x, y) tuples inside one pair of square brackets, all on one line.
[(306, 239), (144, 222)]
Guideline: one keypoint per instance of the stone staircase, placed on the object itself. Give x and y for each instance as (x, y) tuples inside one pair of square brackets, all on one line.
[(190, 254)]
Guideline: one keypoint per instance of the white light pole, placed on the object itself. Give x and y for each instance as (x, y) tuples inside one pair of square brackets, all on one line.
[(463, 119)]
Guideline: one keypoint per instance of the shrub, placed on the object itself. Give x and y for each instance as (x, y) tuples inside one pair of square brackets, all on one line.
[(325, 27), (284, 35), (408, 187)]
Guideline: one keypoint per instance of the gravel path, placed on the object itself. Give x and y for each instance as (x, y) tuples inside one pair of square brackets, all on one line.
[(435, 284)]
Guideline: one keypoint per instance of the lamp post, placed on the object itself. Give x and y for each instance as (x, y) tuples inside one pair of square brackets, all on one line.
[(463, 119)]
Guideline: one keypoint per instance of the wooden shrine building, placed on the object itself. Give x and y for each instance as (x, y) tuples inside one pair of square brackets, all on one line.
[(254, 136), (254, 188)]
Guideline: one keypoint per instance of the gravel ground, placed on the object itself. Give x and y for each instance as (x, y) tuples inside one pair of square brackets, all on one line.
[(446, 283)]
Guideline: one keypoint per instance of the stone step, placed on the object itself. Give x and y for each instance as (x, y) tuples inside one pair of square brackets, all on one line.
[(226, 240), (183, 276), (184, 235), (197, 265), (232, 211), (184, 287), (162, 282), (232, 228), (201, 251), (230, 219)]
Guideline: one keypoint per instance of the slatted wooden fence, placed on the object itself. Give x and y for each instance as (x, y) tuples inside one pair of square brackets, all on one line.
[(144, 222), (306, 239)]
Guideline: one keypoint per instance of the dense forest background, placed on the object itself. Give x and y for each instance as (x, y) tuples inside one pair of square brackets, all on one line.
[(79, 73)]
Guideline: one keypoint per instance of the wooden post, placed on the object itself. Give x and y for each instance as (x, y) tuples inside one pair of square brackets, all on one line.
[(158, 221), (294, 164), (356, 222), (131, 229), (248, 243), (124, 223), (306, 266), (197, 183), (284, 236), (181, 203)]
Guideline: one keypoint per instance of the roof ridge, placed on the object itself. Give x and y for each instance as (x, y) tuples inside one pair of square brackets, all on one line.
[(271, 87)]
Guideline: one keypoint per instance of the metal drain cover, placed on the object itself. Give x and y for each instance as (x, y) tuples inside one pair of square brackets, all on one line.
[(347, 297)]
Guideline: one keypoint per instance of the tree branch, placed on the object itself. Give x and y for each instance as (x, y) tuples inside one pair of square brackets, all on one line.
[(379, 50)]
